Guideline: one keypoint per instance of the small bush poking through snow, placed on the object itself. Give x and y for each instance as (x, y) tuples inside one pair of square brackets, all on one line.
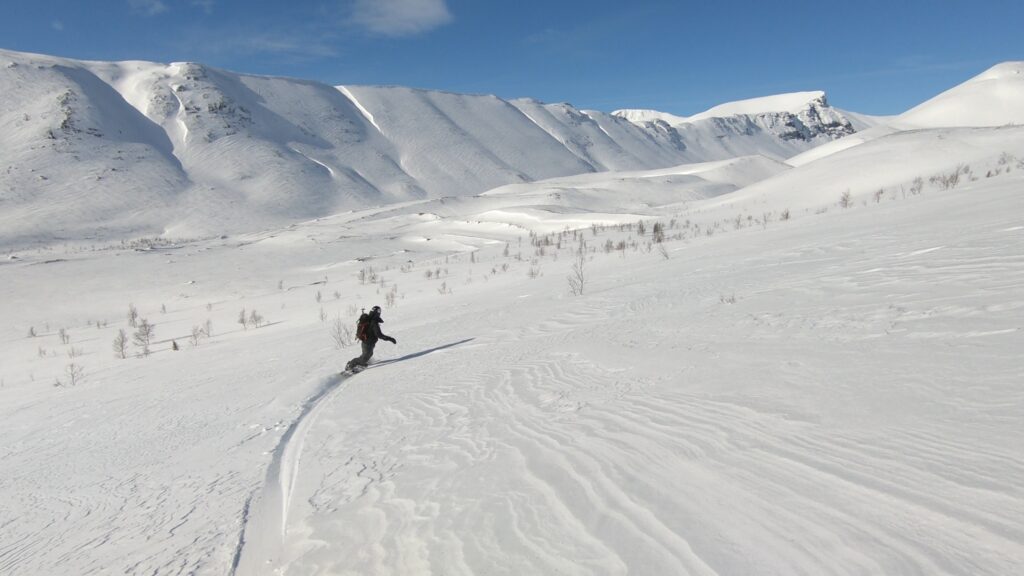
[(121, 344), (340, 333), (143, 336)]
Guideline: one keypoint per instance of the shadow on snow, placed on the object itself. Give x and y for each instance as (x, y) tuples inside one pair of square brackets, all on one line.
[(417, 354)]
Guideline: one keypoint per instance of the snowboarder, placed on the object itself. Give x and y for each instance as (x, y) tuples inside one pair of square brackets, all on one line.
[(368, 332)]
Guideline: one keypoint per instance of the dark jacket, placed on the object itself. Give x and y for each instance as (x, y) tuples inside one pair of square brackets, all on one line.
[(374, 331)]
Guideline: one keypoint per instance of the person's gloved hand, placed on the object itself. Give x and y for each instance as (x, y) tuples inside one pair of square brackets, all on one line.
[(392, 340)]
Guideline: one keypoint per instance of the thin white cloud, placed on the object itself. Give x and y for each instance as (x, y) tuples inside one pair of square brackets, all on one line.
[(206, 5), (400, 17), (57, 25), (148, 7)]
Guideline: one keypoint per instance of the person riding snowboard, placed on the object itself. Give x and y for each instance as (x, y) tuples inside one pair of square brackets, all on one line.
[(368, 332)]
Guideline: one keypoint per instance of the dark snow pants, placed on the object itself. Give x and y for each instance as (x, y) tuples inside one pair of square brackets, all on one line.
[(364, 359)]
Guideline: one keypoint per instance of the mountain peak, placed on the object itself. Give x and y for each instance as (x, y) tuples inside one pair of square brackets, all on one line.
[(793, 103), (1003, 71), (993, 98)]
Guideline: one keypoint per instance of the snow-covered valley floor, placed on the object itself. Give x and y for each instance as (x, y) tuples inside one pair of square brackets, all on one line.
[(837, 393)]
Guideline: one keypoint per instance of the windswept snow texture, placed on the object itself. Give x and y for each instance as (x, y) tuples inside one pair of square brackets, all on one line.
[(95, 151), (789, 387)]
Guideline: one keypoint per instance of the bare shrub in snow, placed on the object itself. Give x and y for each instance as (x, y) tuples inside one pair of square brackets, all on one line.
[(75, 352), (917, 186), (133, 316), (194, 337), (31, 331), (945, 181), (243, 319), (845, 200), (878, 195), (663, 251), (658, 233), (143, 336), (256, 319), (367, 275), (952, 179), (75, 373), (340, 333), (577, 275), (730, 299), (63, 334), (121, 344)]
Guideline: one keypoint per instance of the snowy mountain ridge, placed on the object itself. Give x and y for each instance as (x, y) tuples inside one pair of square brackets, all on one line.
[(798, 116), (188, 150), (792, 102)]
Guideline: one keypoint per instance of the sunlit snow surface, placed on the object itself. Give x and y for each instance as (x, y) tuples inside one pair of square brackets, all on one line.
[(787, 387)]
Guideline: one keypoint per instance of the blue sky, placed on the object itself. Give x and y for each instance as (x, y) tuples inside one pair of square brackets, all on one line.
[(682, 56)]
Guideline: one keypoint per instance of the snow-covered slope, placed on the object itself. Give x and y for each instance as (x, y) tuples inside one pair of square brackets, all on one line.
[(78, 160), (792, 103), (100, 151), (778, 126), (993, 98), (758, 368), (782, 386), (600, 139)]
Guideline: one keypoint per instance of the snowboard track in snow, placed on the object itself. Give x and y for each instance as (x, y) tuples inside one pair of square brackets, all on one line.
[(260, 541), (265, 514)]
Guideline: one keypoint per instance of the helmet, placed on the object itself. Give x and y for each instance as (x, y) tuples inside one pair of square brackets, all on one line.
[(375, 309)]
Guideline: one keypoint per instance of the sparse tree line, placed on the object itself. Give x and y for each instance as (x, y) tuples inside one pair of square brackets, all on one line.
[(644, 236), (942, 181), (137, 341)]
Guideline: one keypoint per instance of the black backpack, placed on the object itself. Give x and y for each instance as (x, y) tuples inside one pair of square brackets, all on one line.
[(363, 327)]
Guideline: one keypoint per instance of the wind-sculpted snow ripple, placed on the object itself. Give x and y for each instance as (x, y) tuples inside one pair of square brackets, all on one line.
[(543, 456)]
